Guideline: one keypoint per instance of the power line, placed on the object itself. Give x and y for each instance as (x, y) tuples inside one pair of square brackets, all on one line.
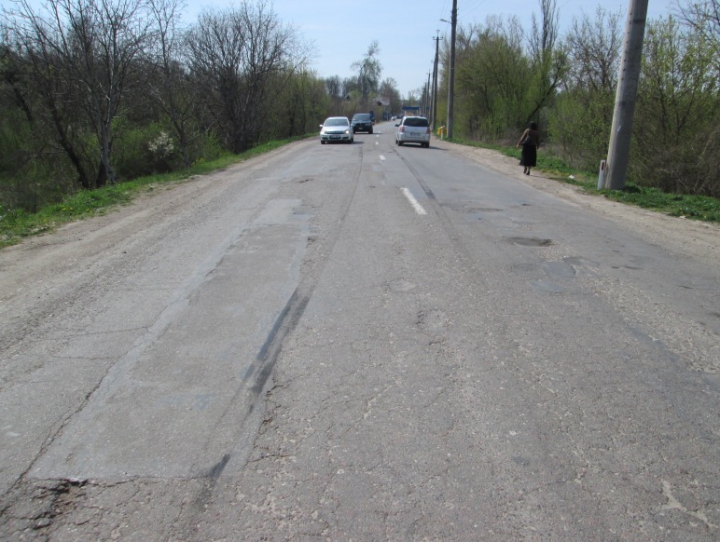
[(444, 8), (472, 7)]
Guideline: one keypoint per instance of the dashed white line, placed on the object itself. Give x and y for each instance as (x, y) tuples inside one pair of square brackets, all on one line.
[(418, 208), (382, 158)]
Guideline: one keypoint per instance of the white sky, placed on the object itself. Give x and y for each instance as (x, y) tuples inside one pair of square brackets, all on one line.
[(341, 30)]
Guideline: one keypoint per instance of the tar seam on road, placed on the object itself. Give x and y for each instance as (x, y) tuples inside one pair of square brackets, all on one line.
[(270, 351), (255, 379)]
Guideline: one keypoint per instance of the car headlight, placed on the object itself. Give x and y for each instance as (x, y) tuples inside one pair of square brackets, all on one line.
[(347, 131)]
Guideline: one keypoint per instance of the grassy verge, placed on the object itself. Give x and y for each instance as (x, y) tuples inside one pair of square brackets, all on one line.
[(16, 224), (694, 207)]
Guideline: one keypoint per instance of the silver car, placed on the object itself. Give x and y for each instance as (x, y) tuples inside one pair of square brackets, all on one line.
[(336, 129), (413, 130)]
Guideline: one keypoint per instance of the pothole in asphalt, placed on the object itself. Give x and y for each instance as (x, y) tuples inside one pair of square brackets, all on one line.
[(432, 319), (529, 241), (399, 285), (525, 267), (472, 209), (484, 210)]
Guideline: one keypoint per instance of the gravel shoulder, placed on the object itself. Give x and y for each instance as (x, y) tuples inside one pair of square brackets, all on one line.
[(694, 239)]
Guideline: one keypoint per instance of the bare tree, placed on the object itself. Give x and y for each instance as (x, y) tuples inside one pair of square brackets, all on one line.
[(90, 47), (215, 45), (704, 18), (13, 75), (369, 71), (45, 91), (544, 35), (594, 49), (109, 36), (234, 55), (348, 85), (173, 92), (334, 87), (550, 61), (388, 89), (273, 55)]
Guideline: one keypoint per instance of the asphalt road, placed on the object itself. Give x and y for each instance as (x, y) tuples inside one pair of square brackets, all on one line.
[(358, 342)]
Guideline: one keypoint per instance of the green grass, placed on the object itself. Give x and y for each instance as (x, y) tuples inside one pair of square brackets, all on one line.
[(16, 224), (693, 207)]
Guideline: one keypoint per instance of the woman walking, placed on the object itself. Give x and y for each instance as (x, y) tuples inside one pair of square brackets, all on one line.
[(530, 141)]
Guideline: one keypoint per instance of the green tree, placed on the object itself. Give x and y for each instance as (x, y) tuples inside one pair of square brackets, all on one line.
[(389, 92), (677, 136), (303, 104), (579, 122), (493, 77)]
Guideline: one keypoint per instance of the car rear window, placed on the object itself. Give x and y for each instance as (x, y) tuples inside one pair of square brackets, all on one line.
[(416, 121)]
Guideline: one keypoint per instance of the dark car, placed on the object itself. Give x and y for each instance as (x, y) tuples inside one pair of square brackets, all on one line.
[(362, 122)]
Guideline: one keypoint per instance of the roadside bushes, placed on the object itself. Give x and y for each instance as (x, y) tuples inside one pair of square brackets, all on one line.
[(138, 93), (677, 121)]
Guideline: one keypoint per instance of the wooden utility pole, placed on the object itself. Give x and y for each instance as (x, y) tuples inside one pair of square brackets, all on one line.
[(628, 78), (435, 81), (451, 81)]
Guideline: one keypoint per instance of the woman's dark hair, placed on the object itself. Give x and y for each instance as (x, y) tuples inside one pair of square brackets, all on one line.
[(533, 126)]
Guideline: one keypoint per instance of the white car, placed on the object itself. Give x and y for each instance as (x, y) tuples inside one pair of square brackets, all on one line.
[(413, 130), (336, 129)]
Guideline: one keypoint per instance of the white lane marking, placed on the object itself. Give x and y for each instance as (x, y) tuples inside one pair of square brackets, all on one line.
[(377, 143), (382, 158), (418, 208)]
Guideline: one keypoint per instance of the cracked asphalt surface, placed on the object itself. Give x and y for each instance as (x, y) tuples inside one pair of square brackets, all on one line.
[(287, 350)]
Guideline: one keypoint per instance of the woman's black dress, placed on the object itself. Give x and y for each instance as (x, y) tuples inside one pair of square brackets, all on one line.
[(528, 157)]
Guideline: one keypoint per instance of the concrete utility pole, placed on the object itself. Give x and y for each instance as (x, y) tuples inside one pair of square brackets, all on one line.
[(435, 81), (451, 82), (630, 64)]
